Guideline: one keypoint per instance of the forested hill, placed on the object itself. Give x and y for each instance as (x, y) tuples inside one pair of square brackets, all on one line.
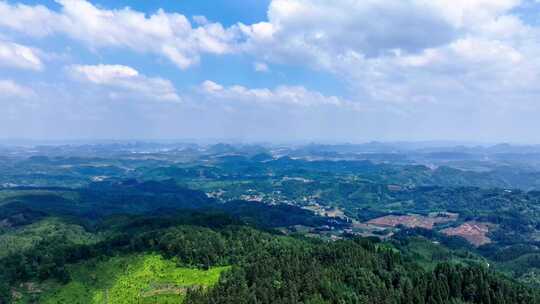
[(25, 205), (81, 171), (264, 267)]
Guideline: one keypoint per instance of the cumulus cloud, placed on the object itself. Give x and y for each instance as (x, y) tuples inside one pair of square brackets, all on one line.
[(321, 29), (169, 35), (126, 80), (282, 95), (34, 20), (405, 51), (11, 89), (19, 56)]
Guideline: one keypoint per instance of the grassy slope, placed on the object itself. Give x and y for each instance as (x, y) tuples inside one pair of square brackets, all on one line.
[(130, 279)]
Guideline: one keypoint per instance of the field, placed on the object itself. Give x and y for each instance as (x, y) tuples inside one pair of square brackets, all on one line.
[(130, 279)]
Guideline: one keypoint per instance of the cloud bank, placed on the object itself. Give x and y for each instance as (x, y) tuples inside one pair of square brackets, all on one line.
[(407, 69), (169, 35)]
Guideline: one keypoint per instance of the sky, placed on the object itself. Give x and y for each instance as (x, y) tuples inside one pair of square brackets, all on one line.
[(271, 70)]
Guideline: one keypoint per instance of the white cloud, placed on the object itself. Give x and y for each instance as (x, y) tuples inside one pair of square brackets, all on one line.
[(328, 31), (282, 95), (405, 51), (410, 66), (211, 87), (368, 44), (168, 35), (19, 56), (260, 67), (105, 74), (471, 13), (318, 31), (11, 89), (126, 79), (200, 20), (34, 20), (321, 28)]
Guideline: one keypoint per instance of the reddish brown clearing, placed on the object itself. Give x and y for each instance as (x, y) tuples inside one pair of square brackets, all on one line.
[(474, 232), (411, 221)]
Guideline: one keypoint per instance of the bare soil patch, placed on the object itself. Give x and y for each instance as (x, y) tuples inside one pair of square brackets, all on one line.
[(474, 232), (411, 221)]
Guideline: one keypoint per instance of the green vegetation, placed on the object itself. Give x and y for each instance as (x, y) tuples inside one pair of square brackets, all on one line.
[(26, 237), (147, 278), (139, 262), (429, 253), (208, 226)]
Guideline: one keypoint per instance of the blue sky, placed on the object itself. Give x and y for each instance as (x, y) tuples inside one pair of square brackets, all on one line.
[(227, 12), (271, 70)]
